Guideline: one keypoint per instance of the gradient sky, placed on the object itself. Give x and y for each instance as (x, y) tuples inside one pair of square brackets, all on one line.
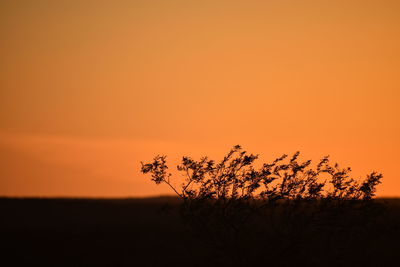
[(88, 89)]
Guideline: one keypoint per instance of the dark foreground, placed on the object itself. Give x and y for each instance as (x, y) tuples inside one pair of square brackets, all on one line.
[(143, 232)]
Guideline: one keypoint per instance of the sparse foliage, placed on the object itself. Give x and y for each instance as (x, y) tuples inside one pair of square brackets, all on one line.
[(235, 178)]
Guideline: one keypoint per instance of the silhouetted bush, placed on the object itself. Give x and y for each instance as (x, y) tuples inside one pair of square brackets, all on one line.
[(230, 204)]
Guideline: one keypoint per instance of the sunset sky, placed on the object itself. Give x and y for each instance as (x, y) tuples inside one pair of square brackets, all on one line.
[(88, 89)]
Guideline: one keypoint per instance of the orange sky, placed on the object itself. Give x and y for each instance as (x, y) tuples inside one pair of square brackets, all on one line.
[(88, 89)]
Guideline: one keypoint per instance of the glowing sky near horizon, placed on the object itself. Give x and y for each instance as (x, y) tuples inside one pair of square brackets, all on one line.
[(88, 89)]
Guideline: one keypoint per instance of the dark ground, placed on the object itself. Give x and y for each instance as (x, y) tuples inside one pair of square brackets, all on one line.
[(141, 232)]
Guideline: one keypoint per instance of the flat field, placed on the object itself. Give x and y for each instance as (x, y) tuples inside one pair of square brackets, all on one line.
[(150, 232)]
